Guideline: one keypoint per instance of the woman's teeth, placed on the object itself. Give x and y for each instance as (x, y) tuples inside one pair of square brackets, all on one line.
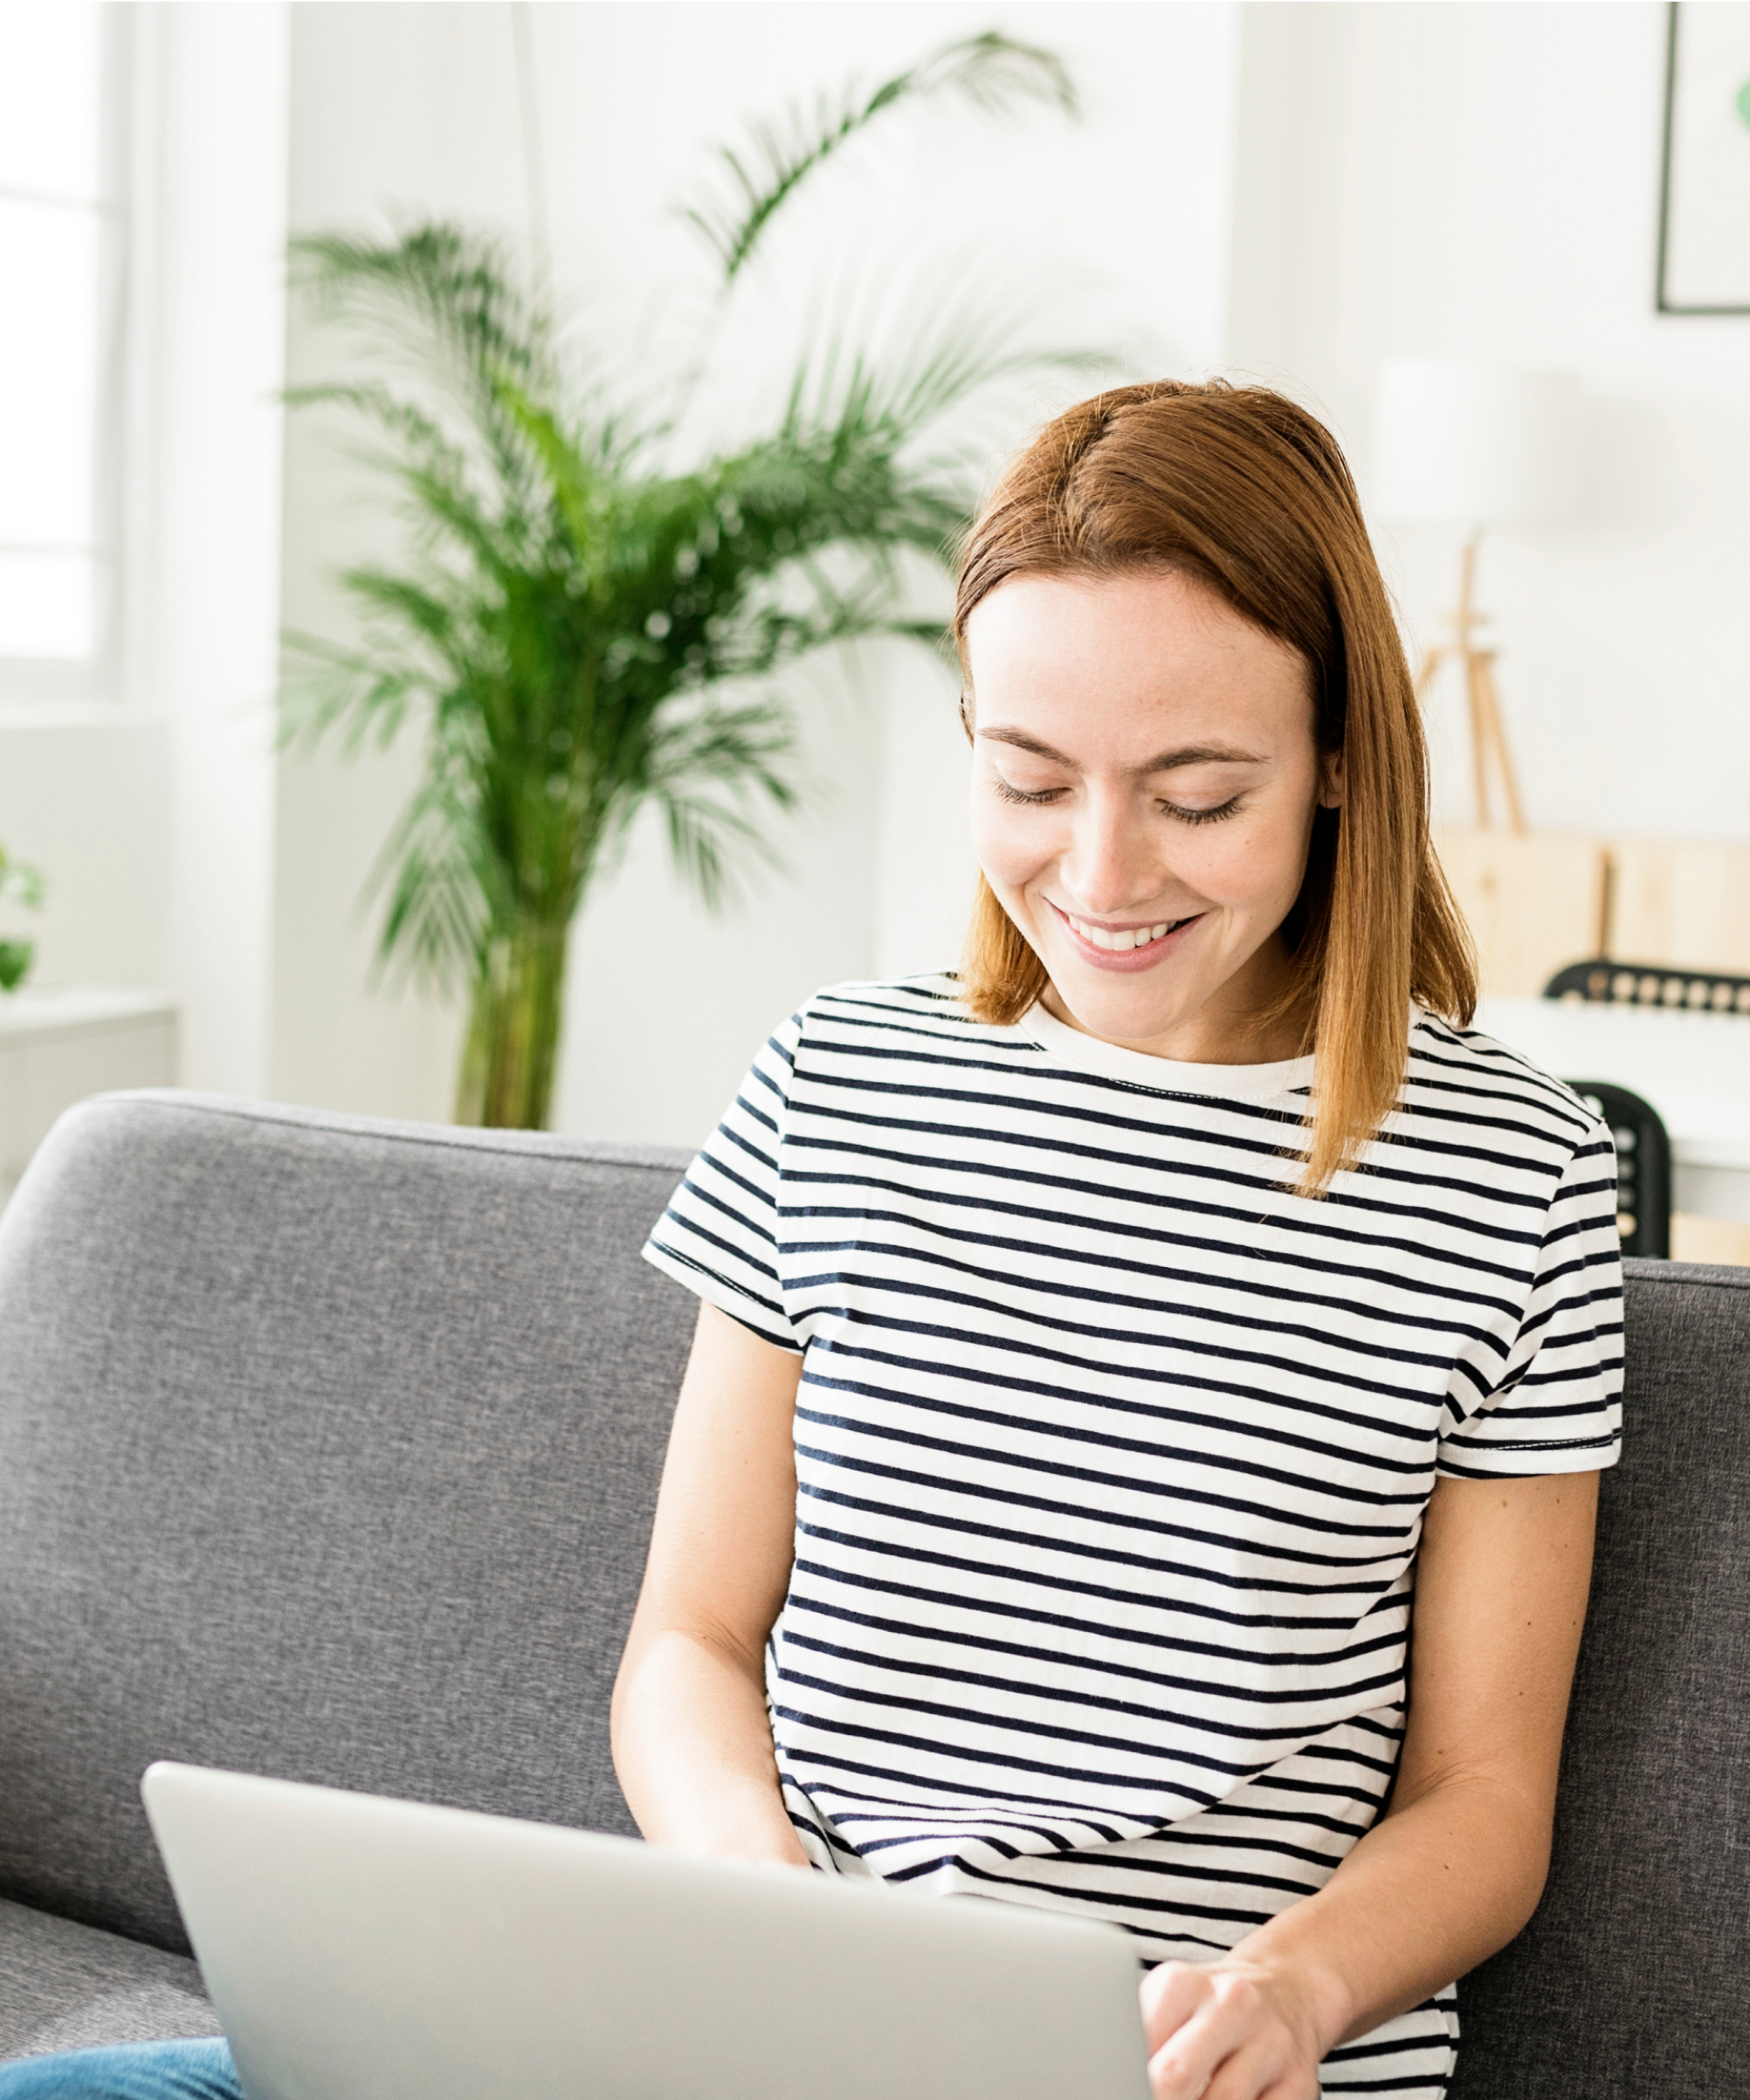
[(1126, 937)]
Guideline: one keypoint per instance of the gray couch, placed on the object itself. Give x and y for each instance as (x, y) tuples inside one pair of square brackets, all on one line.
[(328, 1448)]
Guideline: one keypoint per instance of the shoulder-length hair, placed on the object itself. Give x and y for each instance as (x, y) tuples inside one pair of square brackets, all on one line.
[(1241, 490)]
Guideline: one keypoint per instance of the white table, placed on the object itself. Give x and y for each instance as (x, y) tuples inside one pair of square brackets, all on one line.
[(58, 1043), (1694, 1069)]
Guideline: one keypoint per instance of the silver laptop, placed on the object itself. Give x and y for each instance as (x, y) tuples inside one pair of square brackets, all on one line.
[(361, 1949)]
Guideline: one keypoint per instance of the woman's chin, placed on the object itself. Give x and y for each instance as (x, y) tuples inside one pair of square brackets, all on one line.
[(1120, 1008)]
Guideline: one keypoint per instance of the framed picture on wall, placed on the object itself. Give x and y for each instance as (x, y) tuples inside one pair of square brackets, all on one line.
[(1705, 207)]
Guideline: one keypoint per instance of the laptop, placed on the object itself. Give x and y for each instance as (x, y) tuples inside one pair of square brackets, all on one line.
[(363, 1949)]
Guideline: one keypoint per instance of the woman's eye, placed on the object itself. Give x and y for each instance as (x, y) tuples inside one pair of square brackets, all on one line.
[(1202, 817), (1010, 794)]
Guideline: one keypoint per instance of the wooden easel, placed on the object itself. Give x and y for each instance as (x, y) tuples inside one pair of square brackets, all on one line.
[(1487, 734)]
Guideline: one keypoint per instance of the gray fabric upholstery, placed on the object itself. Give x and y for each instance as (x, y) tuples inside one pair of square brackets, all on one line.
[(68, 1987), (328, 1448), (1631, 1981)]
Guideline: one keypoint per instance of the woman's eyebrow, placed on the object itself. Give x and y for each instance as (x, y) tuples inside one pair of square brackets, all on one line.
[(1022, 741), (1187, 755)]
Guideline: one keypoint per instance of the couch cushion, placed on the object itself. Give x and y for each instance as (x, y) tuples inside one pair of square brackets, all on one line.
[(329, 1449), (1629, 1982), (68, 1987)]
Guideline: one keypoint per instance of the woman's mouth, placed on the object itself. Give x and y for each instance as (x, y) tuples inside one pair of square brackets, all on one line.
[(1123, 947)]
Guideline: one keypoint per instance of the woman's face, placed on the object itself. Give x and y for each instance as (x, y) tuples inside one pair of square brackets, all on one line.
[(1144, 783)]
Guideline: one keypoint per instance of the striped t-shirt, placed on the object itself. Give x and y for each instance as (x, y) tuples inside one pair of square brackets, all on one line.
[(1111, 1452)]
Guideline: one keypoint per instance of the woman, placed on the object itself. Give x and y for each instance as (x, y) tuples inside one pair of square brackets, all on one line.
[(1097, 1347)]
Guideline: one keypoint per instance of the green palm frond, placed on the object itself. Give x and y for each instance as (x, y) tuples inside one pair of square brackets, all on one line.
[(446, 495), (414, 433), (578, 484), (703, 834), (439, 288), (744, 748), (429, 875), (944, 335), (993, 72), (327, 688), (449, 302), (707, 774)]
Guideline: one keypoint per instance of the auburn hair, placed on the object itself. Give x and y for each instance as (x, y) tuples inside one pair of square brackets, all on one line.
[(1241, 490)]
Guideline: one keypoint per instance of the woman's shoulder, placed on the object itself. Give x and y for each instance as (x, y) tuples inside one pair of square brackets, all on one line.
[(931, 1002), (1477, 1075), (920, 1017)]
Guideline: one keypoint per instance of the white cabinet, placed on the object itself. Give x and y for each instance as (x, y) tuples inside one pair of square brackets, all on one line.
[(60, 1043)]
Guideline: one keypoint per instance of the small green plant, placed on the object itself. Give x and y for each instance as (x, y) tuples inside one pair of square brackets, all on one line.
[(23, 886), (588, 624)]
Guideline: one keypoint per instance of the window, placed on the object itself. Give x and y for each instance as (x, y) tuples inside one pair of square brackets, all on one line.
[(60, 274)]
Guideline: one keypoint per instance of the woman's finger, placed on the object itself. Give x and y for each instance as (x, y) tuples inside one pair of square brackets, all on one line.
[(1171, 1994), (1230, 2010)]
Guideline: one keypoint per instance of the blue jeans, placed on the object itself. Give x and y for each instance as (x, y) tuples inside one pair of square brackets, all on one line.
[(140, 2070)]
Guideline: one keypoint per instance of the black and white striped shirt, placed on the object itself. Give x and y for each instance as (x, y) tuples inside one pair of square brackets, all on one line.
[(1111, 1452)]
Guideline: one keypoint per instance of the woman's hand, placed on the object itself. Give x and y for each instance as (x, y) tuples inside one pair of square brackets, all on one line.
[(1235, 2029)]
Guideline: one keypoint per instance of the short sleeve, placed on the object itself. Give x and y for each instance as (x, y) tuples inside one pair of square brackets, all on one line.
[(718, 1235), (1558, 1406)]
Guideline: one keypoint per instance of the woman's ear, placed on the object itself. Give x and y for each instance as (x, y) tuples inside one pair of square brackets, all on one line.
[(1330, 777)]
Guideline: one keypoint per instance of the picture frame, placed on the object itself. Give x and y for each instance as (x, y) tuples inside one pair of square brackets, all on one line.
[(1703, 259)]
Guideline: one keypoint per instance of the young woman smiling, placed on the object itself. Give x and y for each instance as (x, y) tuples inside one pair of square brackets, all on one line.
[(1099, 1346)]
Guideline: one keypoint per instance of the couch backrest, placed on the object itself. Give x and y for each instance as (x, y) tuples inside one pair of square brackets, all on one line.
[(328, 1448), (1632, 1982)]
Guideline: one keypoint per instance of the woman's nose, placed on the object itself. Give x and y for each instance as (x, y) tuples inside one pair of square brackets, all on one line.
[(1114, 864)]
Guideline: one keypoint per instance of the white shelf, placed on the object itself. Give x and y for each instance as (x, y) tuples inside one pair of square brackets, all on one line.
[(60, 1043), (46, 1010)]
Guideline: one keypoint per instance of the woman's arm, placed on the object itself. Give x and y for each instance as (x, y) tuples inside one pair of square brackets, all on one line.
[(692, 1743), (1456, 1866)]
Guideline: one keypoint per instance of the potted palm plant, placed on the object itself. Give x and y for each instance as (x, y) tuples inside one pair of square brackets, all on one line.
[(585, 624)]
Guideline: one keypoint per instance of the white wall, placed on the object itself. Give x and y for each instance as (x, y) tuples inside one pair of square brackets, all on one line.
[(1484, 181), (210, 646), (1115, 231), (86, 798)]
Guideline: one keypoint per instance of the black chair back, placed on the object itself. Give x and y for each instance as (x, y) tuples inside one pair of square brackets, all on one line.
[(1643, 1167), (1606, 983)]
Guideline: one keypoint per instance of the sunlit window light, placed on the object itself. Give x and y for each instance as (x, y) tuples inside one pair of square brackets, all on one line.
[(54, 233)]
